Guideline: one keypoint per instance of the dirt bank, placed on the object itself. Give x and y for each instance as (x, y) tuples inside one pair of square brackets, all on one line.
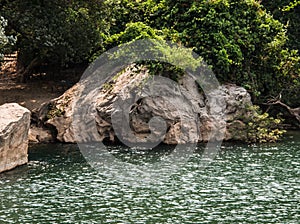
[(37, 90)]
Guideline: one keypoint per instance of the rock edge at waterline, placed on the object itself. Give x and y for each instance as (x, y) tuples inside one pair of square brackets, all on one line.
[(58, 113)]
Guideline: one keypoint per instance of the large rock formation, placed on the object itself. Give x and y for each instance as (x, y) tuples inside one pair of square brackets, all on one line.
[(14, 126), (116, 111)]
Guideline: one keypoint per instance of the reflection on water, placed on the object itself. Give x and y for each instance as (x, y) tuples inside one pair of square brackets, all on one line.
[(244, 184)]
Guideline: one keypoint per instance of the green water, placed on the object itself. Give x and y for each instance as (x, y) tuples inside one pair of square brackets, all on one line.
[(244, 184)]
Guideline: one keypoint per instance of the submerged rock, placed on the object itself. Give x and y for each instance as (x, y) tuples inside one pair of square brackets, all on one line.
[(125, 108), (14, 126)]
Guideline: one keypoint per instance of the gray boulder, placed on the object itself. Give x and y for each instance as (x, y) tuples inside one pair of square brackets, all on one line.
[(14, 127), (128, 109)]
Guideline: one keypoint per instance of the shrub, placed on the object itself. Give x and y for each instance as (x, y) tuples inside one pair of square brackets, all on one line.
[(261, 128), (5, 41), (174, 59)]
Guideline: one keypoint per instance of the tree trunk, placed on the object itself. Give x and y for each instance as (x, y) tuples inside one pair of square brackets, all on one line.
[(24, 74)]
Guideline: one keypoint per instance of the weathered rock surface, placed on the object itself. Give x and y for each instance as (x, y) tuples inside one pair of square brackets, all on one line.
[(53, 120), (14, 126), (39, 135), (170, 113)]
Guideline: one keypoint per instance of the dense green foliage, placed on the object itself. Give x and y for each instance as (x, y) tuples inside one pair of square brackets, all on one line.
[(244, 44), (240, 39), (288, 12), (56, 32)]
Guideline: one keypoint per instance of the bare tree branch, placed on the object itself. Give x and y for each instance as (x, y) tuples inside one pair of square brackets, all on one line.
[(295, 112)]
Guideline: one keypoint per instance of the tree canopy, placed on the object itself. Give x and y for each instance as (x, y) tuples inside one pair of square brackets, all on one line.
[(246, 42)]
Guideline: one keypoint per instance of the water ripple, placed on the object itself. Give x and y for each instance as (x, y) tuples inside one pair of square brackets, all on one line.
[(244, 184)]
